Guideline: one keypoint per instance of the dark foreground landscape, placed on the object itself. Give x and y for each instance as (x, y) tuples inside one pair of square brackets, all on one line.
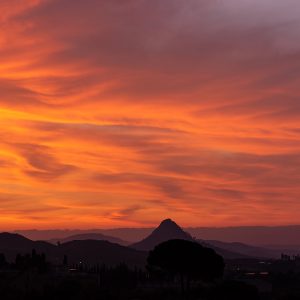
[(168, 264)]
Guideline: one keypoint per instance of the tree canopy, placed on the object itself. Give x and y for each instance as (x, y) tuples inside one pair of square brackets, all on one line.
[(187, 259)]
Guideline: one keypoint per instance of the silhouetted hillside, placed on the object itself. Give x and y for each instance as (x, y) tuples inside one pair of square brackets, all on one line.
[(85, 251), (90, 236), (91, 247), (244, 249), (127, 234), (227, 254), (167, 230), (91, 251), (262, 236), (12, 244), (282, 236)]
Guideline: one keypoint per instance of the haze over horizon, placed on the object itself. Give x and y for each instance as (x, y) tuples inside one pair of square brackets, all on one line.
[(122, 113), (285, 237)]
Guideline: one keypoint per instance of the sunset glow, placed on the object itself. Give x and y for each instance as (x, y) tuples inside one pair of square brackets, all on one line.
[(122, 113)]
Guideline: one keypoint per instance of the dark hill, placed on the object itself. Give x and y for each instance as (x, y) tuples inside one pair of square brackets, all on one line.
[(86, 251), (250, 251), (90, 236), (12, 244), (92, 251), (167, 230), (225, 253)]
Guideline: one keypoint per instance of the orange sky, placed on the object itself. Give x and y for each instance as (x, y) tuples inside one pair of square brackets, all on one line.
[(122, 113)]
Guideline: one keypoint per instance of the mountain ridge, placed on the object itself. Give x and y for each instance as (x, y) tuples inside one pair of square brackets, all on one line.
[(168, 230), (262, 236), (87, 251), (90, 236)]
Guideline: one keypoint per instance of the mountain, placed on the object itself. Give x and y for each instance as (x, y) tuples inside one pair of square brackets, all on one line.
[(12, 244), (167, 230), (97, 247), (86, 251), (127, 234), (90, 236), (282, 236), (225, 253), (244, 249), (92, 251)]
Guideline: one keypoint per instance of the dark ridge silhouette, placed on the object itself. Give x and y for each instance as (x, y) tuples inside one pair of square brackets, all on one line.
[(13, 244), (127, 234), (90, 236), (227, 254), (244, 249), (92, 251), (167, 230), (88, 247), (282, 236), (13, 240), (85, 251)]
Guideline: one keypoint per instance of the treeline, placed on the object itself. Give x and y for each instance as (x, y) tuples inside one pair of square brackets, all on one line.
[(175, 270)]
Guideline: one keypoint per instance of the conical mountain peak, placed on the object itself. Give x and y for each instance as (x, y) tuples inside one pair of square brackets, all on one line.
[(167, 230), (169, 227), (168, 222)]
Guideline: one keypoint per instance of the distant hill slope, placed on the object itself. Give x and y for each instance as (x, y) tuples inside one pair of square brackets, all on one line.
[(92, 251), (12, 244), (250, 251), (90, 236), (226, 253), (262, 236), (86, 251), (283, 236), (168, 229), (126, 234)]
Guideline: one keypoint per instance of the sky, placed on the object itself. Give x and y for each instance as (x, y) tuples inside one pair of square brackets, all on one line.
[(122, 113)]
